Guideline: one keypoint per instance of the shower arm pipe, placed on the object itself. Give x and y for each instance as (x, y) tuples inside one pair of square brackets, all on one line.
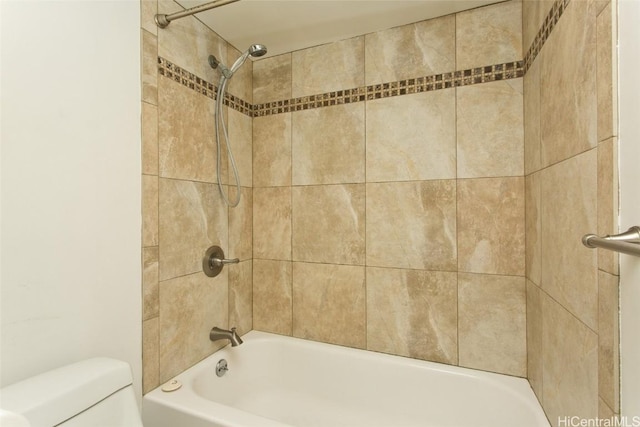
[(163, 20), (626, 243)]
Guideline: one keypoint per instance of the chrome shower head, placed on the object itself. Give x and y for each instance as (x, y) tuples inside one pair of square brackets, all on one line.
[(257, 50)]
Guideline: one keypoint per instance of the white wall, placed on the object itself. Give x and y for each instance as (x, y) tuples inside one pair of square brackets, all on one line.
[(70, 176), (629, 93)]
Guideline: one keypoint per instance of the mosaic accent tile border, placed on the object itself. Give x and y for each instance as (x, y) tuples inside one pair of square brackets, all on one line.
[(490, 73), (200, 85), (544, 32)]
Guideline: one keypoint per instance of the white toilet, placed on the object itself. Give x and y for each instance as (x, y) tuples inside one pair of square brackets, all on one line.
[(92, 393)]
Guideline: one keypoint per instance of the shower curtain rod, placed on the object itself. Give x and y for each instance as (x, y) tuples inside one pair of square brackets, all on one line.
[(163, 20)]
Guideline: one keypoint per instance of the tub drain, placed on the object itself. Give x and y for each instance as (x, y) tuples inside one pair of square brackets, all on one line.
[(221, 367)]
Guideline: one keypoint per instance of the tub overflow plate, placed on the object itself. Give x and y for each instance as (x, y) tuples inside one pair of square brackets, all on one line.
[(221, 367)]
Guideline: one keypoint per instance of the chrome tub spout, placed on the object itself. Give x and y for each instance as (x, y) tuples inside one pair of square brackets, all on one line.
[(220, 334)]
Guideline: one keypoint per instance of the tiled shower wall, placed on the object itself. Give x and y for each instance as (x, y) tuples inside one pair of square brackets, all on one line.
[(571, 190), (391, 217), (183, 213)]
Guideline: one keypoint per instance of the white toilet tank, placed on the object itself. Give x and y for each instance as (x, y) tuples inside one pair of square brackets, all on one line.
[(92, 393)]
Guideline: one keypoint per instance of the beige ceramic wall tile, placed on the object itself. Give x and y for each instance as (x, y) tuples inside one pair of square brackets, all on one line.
[(328, 145), (240, 139), (491, 226), (413, 313), (533, 225), (329, 67), (241, 85), (568, 211), (329, 303), (421, 49), (150, 355), (492, 323), (272, 296), (189, 307), (328, 224), (241, 226), (149, 210), (608, 201), (534, 338), (608, 341), (148, 10), (489, 35), (570, 360), (186, 133), (272, 223), (149, 68), (272, 79), (149, 282), (403, 145), (533, 15), (187, 42), (241, 296), (490, 130), (605, 412), (149, 139), (193, 218), (532, 161), (568, 101), (272, 150), (412, 225), (605, 71)]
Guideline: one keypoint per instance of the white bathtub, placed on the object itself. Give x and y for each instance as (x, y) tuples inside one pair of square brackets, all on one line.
[(281, 381)]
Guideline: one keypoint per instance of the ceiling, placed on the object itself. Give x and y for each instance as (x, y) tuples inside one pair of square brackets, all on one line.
[(289, 25)]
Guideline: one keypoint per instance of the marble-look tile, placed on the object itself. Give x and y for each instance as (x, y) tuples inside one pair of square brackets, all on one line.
[(272, 79), (148, 10), (568, 211), (412, 225), (149, 139), (193, 218), (568, 100), (328, 145), (329, 67), (272, 296), (402, 145), (241, 85), (240, 139), (149, 68), (605, 69), (492, 331), (188, 43), (329, 300), (421, 49), (272, 223), (608, 340), (570, 360), (605, 412), (534, 338), (150, 354), (272, 150), (491, 226), (186, 133), (490, 131), (241, 296), (413, 313), (328, 223), (533, 15), (149, 282), (532, 162), (150, 210), (489, 35), (608, 201), (189, 307), (533, 224), (241, 225)]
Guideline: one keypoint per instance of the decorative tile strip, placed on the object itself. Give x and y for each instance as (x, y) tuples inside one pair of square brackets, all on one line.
[(200, 85), (544, 32)]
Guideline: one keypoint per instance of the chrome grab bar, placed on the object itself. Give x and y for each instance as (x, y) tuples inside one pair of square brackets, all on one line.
[(626, 243)]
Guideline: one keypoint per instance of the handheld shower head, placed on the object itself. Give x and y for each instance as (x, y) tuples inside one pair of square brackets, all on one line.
[(255, 50)]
